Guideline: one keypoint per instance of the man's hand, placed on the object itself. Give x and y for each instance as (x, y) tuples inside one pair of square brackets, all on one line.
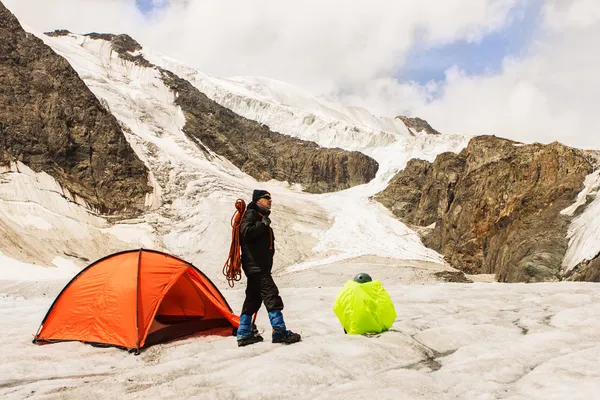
[(266, 220)]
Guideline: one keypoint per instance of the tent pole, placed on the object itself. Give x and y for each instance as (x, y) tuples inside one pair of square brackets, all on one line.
[(137, 300)]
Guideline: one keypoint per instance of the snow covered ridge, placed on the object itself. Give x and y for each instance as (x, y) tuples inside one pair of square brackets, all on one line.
[(287, 109), (52, 122), (249, 145), (197, 190), (290, 110), (269, 102)]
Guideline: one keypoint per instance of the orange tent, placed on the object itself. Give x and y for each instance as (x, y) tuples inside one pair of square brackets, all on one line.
[(135, 299)]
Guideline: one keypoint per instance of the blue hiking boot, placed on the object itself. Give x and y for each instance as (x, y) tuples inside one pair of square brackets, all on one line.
[(247, 332), (280, 333)]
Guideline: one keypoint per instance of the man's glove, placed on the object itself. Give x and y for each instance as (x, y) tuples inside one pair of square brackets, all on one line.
[(266, 220)]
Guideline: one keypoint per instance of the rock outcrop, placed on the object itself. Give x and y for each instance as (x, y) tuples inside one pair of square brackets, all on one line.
[(249, 145), (52, 122), (495, 207), (416, 125), (588, 271)]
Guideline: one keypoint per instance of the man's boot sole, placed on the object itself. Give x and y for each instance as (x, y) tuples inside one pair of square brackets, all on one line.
[(249, 341), (283, 341)]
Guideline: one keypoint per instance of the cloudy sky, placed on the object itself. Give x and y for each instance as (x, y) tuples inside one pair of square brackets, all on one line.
[(522, 69)]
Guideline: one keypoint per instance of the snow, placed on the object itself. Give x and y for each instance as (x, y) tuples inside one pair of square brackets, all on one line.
[(356, 221), (27, 220), (287, 109), (12, 269), (67, 264), (472, 341), (488, 341), (194, 195), (138, 234), (41, 220), (591, 186), (584, 231), (360, 226)]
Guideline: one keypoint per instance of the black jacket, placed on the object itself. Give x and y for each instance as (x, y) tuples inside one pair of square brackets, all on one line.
[(257, 241)]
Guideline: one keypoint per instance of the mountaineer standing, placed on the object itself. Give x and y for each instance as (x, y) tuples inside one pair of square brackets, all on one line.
[(257, 250)]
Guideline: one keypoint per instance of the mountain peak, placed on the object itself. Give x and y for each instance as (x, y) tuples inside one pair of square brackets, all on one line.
[(53, 123), (124, 45), (415, 125), (121, 42), (58, 33)]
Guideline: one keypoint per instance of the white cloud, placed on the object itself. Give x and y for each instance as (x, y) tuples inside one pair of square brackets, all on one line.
[(551, 94), (578, 13), (318, 45), (352, 49), (81, 16)]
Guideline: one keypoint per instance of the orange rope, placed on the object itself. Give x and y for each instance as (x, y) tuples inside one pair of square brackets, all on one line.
[(233, 266)]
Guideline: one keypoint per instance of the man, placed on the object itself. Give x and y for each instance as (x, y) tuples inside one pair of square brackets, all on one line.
[(258, 247)]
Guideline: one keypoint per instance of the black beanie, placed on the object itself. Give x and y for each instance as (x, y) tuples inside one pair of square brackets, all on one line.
[(257, 194)]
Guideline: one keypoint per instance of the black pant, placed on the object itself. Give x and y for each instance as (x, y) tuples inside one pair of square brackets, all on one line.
[(261, 288)]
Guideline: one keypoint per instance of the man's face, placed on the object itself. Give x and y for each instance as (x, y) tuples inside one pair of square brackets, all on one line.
[(265, 201)]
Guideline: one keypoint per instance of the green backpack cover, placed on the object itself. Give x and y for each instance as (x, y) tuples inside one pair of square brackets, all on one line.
[(364, 308)]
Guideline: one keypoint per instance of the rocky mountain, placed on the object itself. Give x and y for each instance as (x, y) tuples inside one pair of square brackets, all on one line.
[(83, 113), (495, 207), (588, 271), (249, 145), (51, 122), (264, 154), (416, 125)]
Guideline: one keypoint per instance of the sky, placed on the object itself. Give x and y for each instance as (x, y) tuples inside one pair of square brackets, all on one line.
[(474, 57), (145, 6), (521, 69)]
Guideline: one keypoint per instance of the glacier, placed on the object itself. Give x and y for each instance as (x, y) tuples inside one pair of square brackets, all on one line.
[(479, 341)]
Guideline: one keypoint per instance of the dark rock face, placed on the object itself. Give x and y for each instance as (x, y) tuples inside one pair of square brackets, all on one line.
[(496, 206), (58, 33), (251, 146), (417, 125), (52, 122)]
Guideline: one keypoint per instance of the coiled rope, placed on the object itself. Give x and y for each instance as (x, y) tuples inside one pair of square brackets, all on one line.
[(233, 266)]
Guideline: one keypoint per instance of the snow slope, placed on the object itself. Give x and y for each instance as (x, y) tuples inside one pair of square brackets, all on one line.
[(194, 197), (360, 226), (296, 113), (584, 232), (290, 110), (449, 341), (312, 230), (41, 222)]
